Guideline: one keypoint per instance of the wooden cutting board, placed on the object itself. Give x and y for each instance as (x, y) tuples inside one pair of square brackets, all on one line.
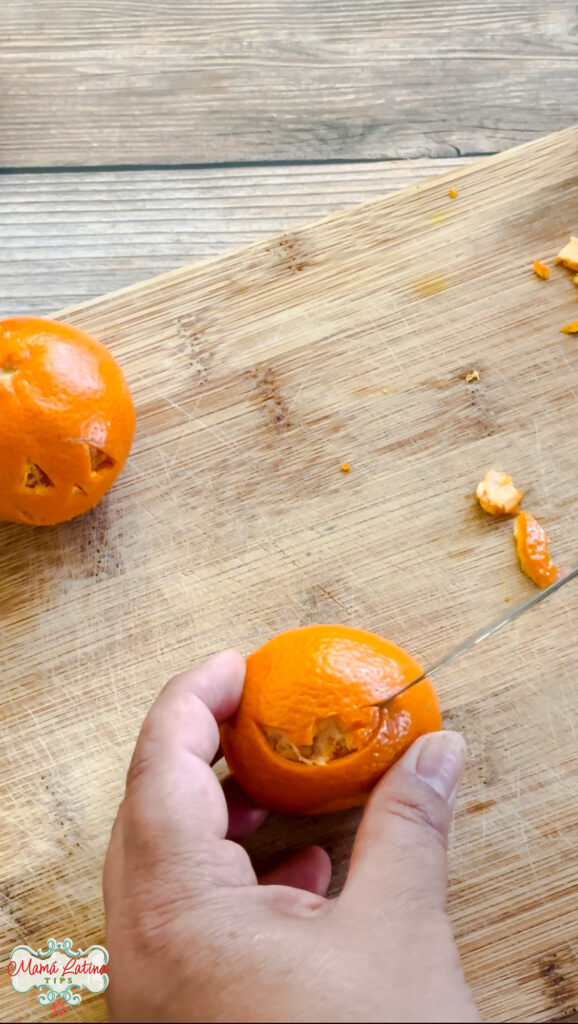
[(255, 376)]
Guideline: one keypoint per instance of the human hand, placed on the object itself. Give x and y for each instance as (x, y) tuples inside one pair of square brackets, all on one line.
[(193, 935)]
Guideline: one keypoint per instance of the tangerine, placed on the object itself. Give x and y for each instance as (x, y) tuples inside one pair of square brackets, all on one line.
[(305, 738), (66, 421)]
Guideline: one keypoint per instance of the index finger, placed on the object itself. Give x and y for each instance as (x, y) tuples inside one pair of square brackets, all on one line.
[(169, 778)]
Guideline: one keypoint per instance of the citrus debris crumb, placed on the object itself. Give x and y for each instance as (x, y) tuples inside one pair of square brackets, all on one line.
[(568, 256), (453, 193), (541, 270), (385, 391), (497, 494), (345, 467), (472, 377), (439, 217), (570, 328)]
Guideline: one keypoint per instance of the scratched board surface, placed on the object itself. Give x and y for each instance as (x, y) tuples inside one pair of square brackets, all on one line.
[(255, 376)]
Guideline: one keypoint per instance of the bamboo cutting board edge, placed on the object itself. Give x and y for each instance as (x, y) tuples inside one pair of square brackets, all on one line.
[(537, 147)]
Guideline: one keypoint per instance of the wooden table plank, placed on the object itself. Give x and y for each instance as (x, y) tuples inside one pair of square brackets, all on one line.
[(118, 82), (69, 237)]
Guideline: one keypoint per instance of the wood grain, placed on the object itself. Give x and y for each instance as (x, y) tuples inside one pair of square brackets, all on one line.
[(67, 238), (254, 376), (118, 82)]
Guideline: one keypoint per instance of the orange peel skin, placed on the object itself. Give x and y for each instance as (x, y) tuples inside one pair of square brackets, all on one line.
[(532, 547), (541, 270)]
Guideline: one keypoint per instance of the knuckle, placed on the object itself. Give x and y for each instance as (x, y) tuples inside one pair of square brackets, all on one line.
[(424, 816), (137, 768), (143, 764), (154, 922)]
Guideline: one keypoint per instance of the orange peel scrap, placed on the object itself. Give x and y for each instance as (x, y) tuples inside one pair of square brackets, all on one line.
[(568, 256), (497, 494), (541, 270), (532, 547)]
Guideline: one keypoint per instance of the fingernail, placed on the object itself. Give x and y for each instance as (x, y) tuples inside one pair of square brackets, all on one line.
[(441, 762)]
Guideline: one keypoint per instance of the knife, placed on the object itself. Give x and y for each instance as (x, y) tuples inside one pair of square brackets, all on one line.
[(482, 634)]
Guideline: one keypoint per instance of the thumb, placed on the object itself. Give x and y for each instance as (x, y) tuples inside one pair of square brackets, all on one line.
[(400, 852)]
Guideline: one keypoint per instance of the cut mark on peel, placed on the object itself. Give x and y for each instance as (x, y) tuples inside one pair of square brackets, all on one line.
[(331, 741), (77, 489), (35, 478), (99, 460)]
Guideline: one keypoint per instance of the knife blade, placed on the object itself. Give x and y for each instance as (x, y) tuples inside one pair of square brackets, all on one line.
[(480, 635)]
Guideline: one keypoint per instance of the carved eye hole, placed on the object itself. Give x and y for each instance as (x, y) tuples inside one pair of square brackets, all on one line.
[(35, 478), (99, 460)]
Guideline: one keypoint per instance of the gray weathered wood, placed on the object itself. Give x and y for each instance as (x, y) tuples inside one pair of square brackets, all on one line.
[(118, 82), (69, 237)]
